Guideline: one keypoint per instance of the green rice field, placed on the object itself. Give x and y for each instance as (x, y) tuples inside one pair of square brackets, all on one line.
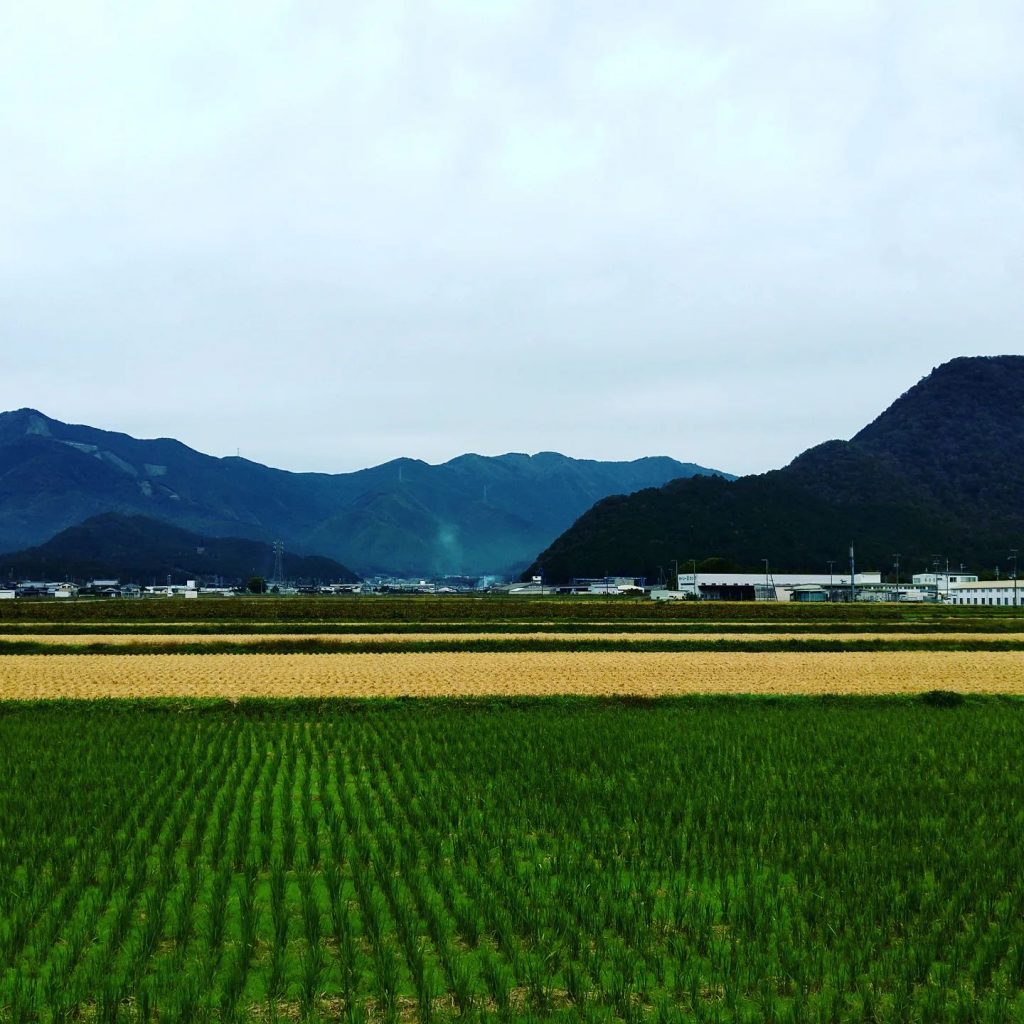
[(749, 860)]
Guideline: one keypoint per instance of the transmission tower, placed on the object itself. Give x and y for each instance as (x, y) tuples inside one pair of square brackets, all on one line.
[(278, 561)]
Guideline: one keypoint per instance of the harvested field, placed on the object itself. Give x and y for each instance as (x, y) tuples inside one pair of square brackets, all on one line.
[(27, 677)]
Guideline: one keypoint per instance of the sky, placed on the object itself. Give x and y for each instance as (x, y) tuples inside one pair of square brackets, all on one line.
[(328, 235)]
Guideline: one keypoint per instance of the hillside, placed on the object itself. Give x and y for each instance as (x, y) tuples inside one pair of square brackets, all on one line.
[(940, 473), (134, 548), (473, 514)]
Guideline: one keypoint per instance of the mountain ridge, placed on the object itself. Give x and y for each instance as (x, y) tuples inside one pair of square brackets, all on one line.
[(471, 514)]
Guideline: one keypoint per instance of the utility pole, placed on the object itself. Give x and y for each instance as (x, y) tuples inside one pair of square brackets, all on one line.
[(1013, 555), (831, 573), (897, 567), (675, 572), (696, 592), (853, 575)]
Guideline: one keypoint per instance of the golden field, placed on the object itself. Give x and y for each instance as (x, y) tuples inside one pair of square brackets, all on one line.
[(27, 677)]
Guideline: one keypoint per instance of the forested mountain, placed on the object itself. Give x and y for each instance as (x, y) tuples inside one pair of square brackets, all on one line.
[(142, 550), (940, 474), (473, 514)]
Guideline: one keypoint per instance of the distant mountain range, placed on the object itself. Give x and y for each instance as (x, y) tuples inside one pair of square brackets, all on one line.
[(940, 474), (474, 514), (143, 550)]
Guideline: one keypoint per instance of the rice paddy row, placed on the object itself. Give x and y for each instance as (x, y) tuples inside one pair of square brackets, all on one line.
[(427, 643), (511, 674), (682, 862), (958, 626), (480, 610)]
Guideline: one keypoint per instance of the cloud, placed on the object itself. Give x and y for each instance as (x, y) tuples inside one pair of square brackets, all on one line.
[(334, 235)]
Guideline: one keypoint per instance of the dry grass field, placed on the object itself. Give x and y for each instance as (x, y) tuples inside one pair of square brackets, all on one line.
[(234, 676)]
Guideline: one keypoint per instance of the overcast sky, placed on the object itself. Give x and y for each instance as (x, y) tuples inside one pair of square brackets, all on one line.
[(333, 234)]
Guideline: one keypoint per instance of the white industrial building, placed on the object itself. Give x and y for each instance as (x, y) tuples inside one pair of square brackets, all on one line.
[(986, 592), (943, 579), (771, 586)]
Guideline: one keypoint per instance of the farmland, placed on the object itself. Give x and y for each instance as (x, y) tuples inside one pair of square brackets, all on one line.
[(499, 647), (677, 861), (397, 812), (474, 611), (511, 674)]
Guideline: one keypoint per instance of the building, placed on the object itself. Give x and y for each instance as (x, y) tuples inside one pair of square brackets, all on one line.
[(760, 586), (1005, 593), (942, 579), (606, 585), (937, 585)]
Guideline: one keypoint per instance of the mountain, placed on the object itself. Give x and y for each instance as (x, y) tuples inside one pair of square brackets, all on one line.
[(939, 474), (144, 550), (471, 515)]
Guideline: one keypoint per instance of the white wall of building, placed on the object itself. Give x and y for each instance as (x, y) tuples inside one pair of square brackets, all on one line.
[(998, 593), (780, 579), (941, 579)]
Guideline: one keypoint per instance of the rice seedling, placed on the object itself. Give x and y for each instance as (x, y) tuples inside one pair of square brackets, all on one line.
[(684, 860)]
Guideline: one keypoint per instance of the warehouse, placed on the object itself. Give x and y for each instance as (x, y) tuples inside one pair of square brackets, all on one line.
[(760, 586)]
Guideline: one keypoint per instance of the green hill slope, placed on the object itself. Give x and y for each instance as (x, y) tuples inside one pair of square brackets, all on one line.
[(938, 474), (147, 551)]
